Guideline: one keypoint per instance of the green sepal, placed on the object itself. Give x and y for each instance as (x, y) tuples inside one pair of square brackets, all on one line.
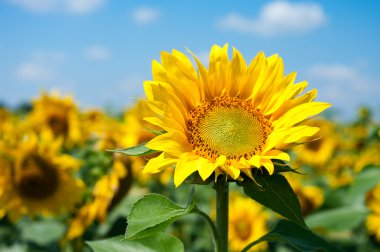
[(138, 150), (281, 166), (157, 132)]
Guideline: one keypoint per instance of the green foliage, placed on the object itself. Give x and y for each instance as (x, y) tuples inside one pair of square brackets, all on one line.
[(298, 237), (276, 193), (153, 213), (354, 194), (42, 232), (160, 242), (338, 219)]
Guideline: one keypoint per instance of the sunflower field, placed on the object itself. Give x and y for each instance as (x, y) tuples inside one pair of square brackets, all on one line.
[(230, 156)]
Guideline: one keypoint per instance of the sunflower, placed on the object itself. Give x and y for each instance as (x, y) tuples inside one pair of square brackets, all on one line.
[(57, 115), (229, 118), (107, 192), (246, 224), (339, 171), (368, 156), (373, 219), (5, 116), (310, 196), (40, 180), (319, 149), (140, 131)]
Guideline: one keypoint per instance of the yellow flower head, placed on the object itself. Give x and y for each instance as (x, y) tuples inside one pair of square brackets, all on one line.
[(229, 118), (320, 147), (247, 223), (139, 131), (40, 180), (373, 219), (310, 196), (58, 116), (107, 192), (367, 156)]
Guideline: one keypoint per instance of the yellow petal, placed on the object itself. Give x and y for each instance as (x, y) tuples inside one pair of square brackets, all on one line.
[(187, 164), (289, 104), (251, 78), (205, 168), (301, 132), (232, 171), (166, 123), (267, 163), (255, 161), (159, 163), (164, 93), (174, 143), (277, 154), (217, 70), (300, 113)]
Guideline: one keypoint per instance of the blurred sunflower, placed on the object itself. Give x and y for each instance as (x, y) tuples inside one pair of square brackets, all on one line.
[(368, 156), (373, 219), (57, 115), (10, 127), (115, 133), (339, 171), (5, 115), (107, 192), (310, 196), (39, 179), (140, 131), (246, 224), (228, 119), (319, 148)]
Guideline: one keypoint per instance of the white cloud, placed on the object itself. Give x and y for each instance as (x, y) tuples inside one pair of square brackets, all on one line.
[(343, 84), (36, 5), (97, 53), (339, 73), (279, 17), (40, 67), (32, 71), (145, 15), (68, 6)]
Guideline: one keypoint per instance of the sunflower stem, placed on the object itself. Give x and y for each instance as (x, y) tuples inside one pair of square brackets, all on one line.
[(221, 187)]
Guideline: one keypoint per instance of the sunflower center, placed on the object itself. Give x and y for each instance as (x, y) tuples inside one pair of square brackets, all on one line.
[(314, 145), (38, 179), (243, 229), (227, 126), (58, 124)]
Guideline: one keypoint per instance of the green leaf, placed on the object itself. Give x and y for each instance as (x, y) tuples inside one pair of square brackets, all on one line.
[(138, 150), (354, 194), (42, 232), (276, 193), (153, 213), (338, 219), (160, 242), (298, 237)]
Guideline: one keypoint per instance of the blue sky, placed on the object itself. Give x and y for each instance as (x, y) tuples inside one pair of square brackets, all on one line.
[(101, 51)]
